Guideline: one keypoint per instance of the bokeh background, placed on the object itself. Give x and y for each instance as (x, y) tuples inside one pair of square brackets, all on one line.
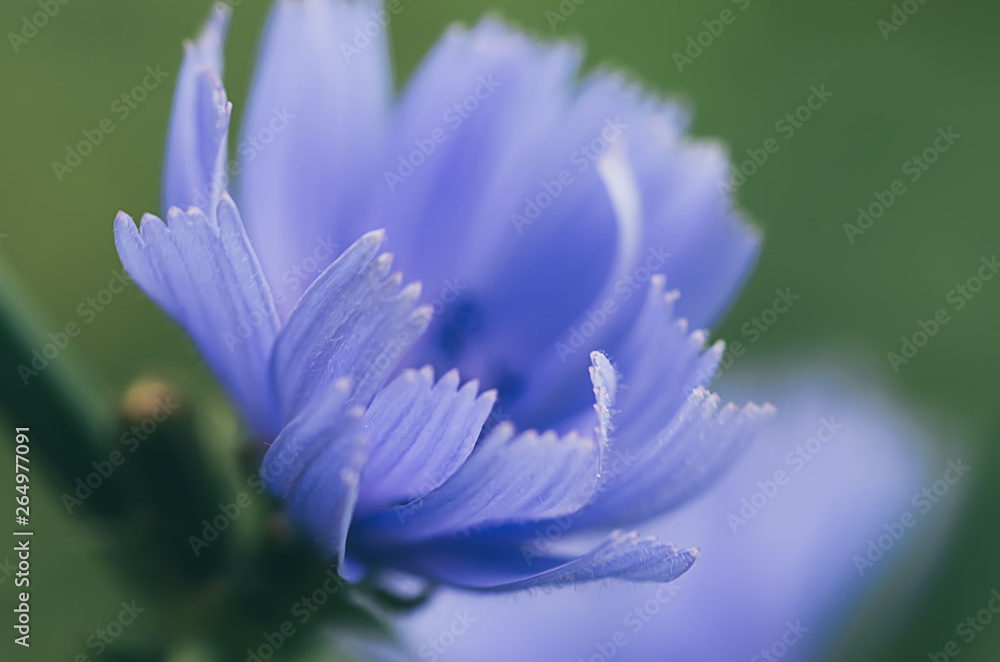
[(889, 98)]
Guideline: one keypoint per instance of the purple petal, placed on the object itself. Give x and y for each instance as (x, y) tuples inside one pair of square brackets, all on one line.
[(354, 321), (608, 226), (661, 363), (312, 130), (420, 433), (621, 556), (527, 125), (194, 171), (208, 279), (301, 441), (323, 496), (509, 478), (687, 213), (694, 450)]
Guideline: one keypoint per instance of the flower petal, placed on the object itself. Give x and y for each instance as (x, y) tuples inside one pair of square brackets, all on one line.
[(352, 322), (421, 433), (555, 389), (569, 182), (697, 447), (299, 442), (312, 129), (323, 497), (622, 556), (690, 215), (199, 122), (208, 279), (510, 123), (497, 568), (662, 363), (509, 478)]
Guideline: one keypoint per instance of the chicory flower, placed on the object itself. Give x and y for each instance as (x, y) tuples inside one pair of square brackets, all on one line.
[(544, 214)]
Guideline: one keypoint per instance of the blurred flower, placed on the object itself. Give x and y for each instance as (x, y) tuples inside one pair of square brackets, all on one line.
[(548, 212), (786, 540)]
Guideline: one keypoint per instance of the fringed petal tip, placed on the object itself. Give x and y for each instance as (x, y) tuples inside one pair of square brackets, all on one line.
[(355, 319), (205, 275), (766, 411), (124, 223), (494, 37), (422, 432)]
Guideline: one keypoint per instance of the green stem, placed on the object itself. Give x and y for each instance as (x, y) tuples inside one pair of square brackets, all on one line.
[(69, 420)]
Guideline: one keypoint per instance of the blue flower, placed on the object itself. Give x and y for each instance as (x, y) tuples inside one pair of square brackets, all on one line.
[(544, 215)]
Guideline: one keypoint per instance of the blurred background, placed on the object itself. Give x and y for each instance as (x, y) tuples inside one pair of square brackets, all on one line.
[(890, 91)]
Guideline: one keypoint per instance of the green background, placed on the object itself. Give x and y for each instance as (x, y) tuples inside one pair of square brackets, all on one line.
[(889, 99)]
